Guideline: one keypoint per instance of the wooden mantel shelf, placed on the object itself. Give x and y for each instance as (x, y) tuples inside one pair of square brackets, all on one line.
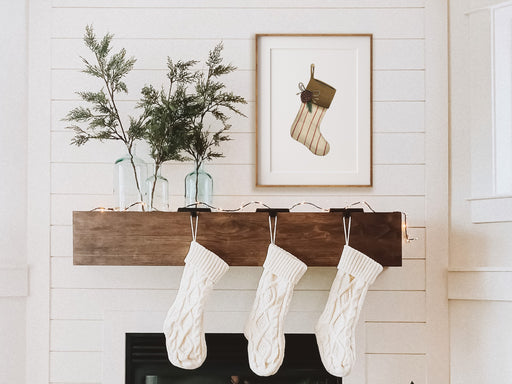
[(241, 239)]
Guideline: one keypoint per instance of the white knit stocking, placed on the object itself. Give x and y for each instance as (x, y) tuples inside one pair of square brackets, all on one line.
[(264, 329), (335, 330), (183, 326)]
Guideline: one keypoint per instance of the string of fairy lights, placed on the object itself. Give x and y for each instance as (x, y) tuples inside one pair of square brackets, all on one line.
[(244, 205)]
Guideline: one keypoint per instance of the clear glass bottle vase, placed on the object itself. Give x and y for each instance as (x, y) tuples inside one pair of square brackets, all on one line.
[(157, 193), (198, 186), (130, 173)]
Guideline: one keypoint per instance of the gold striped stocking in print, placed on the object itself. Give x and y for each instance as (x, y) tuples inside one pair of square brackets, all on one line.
[(306, 129)]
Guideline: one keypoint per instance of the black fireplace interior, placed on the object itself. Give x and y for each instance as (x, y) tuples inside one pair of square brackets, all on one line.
[(226, 363)]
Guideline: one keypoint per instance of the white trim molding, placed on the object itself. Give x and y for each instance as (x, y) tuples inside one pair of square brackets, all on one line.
[(486, 283), (489, 8), (493, 209), (437, 190), (491, 135), (13, 281)]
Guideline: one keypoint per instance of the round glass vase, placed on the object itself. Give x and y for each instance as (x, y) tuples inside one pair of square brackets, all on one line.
[(157, 192), (130, 173), (198, 187)]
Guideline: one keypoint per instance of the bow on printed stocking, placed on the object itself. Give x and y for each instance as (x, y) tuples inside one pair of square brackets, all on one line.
[(315, 99)]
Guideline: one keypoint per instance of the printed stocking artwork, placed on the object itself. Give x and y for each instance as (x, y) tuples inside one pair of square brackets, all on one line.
[(315, 99)]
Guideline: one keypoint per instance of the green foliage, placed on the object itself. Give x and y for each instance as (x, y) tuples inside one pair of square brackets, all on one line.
[(101, 116), (213, 99), (176, 118), (172, 121), (169, 113), (100, 119)]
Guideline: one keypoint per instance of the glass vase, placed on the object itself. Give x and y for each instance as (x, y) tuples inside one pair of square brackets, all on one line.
[(198, 187), (157, 192), (130, 173)]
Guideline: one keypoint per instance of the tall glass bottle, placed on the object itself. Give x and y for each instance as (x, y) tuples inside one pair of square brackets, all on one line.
[(157, 193), (130, 173), (198, 186)]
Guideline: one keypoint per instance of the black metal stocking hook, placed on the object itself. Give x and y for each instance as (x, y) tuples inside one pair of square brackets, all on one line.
[(194, 215), (347, 216), (272, 213)]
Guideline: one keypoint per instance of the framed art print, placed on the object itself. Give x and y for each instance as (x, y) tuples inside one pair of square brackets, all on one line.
[(314, 110)]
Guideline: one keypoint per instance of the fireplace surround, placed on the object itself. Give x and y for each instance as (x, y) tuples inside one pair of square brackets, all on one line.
[(226, 362)]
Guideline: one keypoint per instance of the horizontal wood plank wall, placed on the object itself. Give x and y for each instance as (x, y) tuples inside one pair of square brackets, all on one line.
[(394, 312)]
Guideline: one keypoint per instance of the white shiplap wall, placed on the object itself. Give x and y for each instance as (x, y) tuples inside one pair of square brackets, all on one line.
[(395, 341)]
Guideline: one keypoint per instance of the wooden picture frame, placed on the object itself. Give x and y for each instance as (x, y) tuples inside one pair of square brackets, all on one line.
[(326, 142)]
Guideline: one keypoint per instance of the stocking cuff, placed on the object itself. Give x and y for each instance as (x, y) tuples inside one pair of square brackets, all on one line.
[(359, 265), (283, 264), (206, 262)]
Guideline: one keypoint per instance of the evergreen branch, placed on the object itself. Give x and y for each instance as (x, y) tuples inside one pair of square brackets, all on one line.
[(102, 116)]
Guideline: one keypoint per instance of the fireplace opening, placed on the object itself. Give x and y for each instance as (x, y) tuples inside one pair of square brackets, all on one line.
[(226, 362)]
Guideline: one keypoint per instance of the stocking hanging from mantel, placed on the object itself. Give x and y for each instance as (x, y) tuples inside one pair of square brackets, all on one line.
[(264, 328), (335, 330), (183, 326)]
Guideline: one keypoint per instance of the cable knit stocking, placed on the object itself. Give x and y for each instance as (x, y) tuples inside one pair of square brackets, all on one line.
[(264, 329), (183, 326), (335, 330)]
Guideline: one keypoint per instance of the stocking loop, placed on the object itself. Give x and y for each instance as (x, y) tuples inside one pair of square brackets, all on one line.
[(194, 228), (312, 70), (272, 233), (347, 233)]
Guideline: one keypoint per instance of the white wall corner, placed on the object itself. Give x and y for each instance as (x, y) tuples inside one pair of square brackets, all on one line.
[(13, 281)]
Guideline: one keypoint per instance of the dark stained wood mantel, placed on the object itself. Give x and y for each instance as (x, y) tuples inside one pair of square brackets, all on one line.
[(241, 239)]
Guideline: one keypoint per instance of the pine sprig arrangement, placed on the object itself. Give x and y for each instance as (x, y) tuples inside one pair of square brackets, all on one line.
[(213, 99), (171, 121), (169, 115), (100, 119)]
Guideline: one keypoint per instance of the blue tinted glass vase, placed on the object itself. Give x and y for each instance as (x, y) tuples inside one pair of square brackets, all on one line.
[(198, 187), (129, 178), (157, 192)]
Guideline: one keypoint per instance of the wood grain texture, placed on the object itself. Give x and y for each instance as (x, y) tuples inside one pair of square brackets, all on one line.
[(241, 239)]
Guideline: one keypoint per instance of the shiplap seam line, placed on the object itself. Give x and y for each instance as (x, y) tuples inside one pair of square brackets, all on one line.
[(76, 350), (399, 133), (214, 163), (260, 196), (248, 101), (239, 69), (60, 130), (230, 290), (379, 101), (81, 320), (392, 322), (215, 39), (266, 8), (396, 353), (479, 269)]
